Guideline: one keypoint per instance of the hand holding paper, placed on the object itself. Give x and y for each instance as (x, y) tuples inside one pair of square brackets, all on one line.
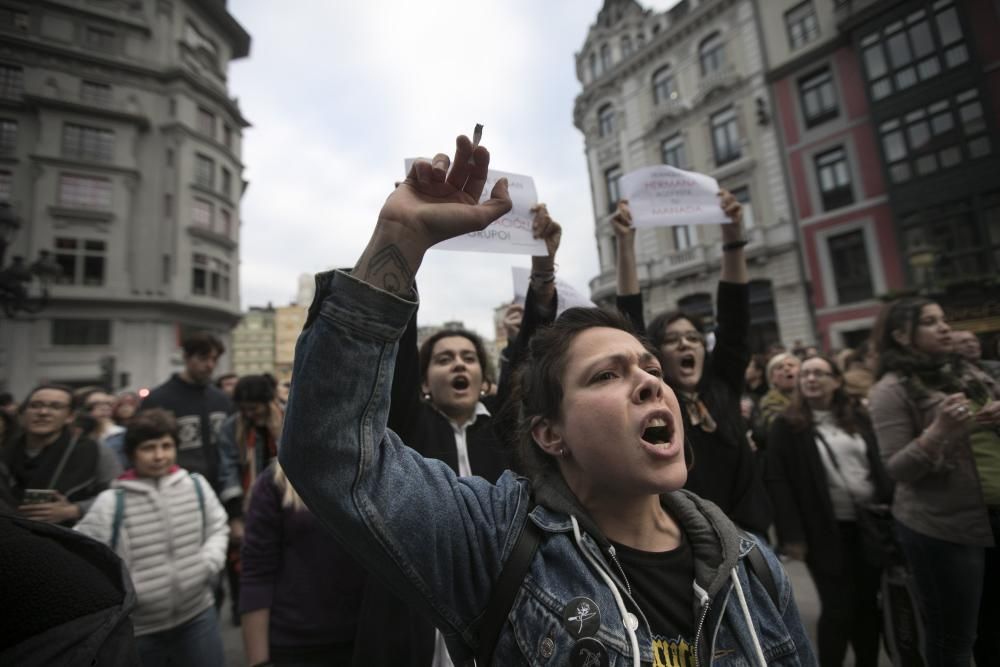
[(662, 196)]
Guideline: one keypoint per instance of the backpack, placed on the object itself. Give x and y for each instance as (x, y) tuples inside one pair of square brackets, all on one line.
[(516, 568), (116, 525)]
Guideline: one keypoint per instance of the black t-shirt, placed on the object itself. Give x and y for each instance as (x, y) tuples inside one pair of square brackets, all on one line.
[(662, 586)]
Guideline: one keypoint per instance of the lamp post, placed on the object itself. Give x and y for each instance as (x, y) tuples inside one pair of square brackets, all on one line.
[(17, 277)]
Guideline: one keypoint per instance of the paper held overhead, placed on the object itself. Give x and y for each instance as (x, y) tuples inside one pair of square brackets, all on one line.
[(664, 196), (511, 234), (566, 294)]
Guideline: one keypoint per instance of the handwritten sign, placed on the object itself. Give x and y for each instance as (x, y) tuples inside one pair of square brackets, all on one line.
[(664, 196), (566, 294), (510, 234)]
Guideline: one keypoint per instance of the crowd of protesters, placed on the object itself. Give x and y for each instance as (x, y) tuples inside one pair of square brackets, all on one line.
[(428, 510)]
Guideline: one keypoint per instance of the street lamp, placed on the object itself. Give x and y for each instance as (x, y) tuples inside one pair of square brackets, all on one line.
[(16, 278)]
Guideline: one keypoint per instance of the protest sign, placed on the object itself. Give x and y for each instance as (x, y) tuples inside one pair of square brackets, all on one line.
[(510, 234), (664, 196), (566, 294)]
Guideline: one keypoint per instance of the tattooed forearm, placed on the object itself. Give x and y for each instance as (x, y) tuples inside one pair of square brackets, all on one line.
[(386, 269)]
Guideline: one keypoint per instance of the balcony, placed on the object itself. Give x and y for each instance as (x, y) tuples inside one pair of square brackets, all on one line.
[(721, 79)]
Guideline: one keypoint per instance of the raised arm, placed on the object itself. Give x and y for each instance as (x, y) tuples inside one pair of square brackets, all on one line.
[(628, 296), (734, 262)]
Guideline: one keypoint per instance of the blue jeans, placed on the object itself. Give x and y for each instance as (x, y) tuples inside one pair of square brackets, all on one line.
[(196, 643), (949, 579)]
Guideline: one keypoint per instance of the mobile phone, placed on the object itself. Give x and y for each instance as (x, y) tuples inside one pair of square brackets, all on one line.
[(38, 496)]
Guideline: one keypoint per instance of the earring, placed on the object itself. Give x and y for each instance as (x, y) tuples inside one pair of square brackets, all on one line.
[(563, 452), (482, 393), (427, 396)]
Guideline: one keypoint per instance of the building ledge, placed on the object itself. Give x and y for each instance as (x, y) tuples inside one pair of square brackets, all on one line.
[(76, 213), (86, 165), (36, 100), (213, 237)]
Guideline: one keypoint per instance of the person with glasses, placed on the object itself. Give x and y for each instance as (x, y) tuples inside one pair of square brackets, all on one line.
[(782, 372), (709, 385), (54, 473), (937, 418), (823, 462), (97, 404)]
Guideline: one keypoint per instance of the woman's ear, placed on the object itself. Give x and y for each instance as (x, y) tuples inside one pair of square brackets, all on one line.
[(901, 337), (548, 435)]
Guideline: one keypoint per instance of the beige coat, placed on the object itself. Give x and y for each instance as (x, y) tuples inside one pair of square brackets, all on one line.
[(939, 496)]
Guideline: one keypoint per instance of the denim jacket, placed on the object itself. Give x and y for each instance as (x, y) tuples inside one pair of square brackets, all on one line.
[(441, 541)]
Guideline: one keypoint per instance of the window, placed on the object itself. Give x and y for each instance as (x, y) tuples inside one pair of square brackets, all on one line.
[(206, 122), (81, 332), (951, 234), (92, 92), (682, 237), (227, 183), (168, 205), (606, 121), (203, 46), (611, 178), (204, 171), (851, 272), (227, 136), (81, 261), (763, 316), (672, 150), (743, 196), (725, 137), (8, 135), (593, 66), (99, 39), (11, 82), (77, 191), (712, 54), (698, 306), (913, 49), (938, 136), (834, 179), (87, 143), (13, 19), (802, 25), (202, 213), (663, 86), (819, 101), (626, 46), (226, 228), (210, 277), (5, 185), (605, 58), (169, 157)]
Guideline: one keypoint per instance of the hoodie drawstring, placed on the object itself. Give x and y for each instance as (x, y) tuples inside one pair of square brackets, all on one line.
[(633, 639), (746, 616)]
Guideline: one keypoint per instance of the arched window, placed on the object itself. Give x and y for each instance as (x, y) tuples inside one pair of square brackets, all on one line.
[(663, 85), (606, 120), (712, 54), (698, 306), (593, 66), (763, 316), (605, 57), (626, 46), (641, 39)]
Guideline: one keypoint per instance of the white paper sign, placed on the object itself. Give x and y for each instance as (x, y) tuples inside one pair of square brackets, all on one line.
[(566, 294), (664, 196), (510, 234)]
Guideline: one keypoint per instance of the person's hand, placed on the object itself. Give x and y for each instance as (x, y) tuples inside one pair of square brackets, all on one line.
[(545, 228), (621, 222), (236, 530), (795, 550), (512, 320), (989, 415), (55, 512), (440, 199), (733, 210), (953, 416), (746, 407)]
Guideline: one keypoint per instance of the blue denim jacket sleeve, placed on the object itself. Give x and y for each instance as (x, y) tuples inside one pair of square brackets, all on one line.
[(435, 539)]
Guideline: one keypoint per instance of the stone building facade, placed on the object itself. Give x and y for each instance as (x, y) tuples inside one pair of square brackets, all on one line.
[(254, 342), (686, 87), (120, 152)]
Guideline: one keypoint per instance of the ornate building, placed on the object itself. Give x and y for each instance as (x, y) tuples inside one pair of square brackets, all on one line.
[(686, 87), (120, 152)]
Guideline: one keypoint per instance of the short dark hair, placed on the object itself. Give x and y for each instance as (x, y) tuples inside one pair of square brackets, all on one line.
[(657, 329), (427, 348), (6, 398), (255, 389), (49, 385), (149, 425), (538, 384), (202, 343)]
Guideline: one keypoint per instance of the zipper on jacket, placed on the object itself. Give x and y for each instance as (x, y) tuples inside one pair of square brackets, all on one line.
[(621, 570), (705, 604)]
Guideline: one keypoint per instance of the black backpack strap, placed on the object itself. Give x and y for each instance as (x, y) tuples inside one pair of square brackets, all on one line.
[(506, 588), (763, 573)]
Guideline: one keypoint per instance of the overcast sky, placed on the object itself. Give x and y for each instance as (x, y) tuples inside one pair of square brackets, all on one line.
[(340, 92)]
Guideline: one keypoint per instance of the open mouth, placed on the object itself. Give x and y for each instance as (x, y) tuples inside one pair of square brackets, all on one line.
[(658, 431), (687, 362), (460, 382)]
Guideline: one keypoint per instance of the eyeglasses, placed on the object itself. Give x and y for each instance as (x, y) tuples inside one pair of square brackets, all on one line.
[(55, 406), (93, 404), (815, 373), (691, 337)]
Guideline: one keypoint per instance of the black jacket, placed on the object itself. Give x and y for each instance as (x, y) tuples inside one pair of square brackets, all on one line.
[(200, 411), (724, 469), (797, 482)]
